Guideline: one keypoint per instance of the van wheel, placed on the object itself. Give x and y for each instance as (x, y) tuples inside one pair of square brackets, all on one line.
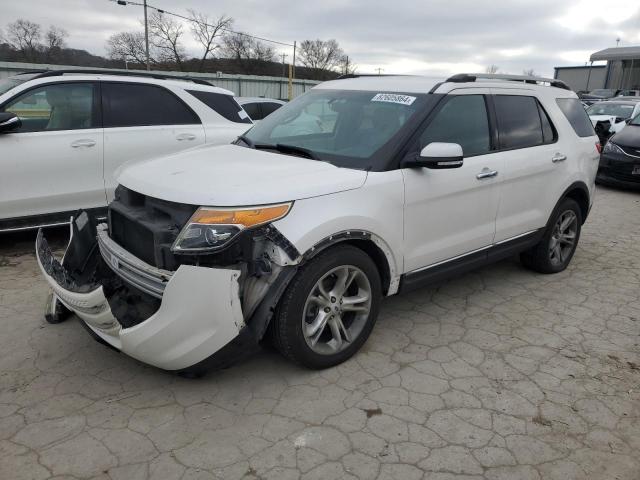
[(554, 252), (329, 309)]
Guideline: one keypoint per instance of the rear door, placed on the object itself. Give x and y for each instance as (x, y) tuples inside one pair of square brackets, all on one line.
[(53, 163), (535, 163), (143, 121)]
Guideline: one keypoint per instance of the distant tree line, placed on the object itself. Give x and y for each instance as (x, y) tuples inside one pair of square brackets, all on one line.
[(221, 49)]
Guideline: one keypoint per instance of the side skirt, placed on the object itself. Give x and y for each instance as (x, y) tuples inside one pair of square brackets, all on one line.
[(17, 224), (452, 268)]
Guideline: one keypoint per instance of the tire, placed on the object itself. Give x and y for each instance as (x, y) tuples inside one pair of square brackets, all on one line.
[(553, 254), (303, 303)]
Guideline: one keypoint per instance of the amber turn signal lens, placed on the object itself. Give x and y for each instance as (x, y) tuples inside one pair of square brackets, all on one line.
[(247, 217)]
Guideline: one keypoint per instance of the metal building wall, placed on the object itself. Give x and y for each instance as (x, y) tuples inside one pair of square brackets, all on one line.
[(576, 77), (240, 85)]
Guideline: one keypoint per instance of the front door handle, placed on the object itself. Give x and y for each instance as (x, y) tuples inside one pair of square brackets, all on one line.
[(83, 143), (486, 173), (185, 137), (558, 157)]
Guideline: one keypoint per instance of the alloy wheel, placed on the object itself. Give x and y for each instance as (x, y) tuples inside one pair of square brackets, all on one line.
[(336, 310), (563, 238)]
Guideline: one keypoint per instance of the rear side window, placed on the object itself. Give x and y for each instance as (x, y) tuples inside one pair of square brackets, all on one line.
[(253, 110), (269, 107), (577, 116), (222, 104), (136, 105), (519, 121), (462, 120)]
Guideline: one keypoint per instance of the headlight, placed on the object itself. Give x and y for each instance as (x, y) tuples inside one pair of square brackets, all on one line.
[(211, 228), (611, 147)]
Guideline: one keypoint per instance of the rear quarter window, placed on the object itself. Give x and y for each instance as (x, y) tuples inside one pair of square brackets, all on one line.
[(576, 114), (224, 105)]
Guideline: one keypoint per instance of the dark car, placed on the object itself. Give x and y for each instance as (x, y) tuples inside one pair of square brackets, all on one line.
[(620, 159), (598, 94)]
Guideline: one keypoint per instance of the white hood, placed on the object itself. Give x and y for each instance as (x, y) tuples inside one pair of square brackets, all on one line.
[(230, 175), (614, 128)]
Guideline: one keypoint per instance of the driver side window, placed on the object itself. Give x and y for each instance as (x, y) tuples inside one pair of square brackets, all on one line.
[(462, 120), (54, 107)]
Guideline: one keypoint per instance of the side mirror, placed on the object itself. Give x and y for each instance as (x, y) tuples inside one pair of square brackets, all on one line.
[(628, 121), (437, 155), (9, 121)]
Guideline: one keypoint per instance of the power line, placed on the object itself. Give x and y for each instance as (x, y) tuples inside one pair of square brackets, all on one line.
[(160, 10)]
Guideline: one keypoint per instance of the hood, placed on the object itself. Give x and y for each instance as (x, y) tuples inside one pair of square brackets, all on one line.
[(628, 137), (231, 175)]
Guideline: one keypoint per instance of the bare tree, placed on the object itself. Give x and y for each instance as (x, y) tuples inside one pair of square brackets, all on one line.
[(492, 69), (320, 54), (24, 36), (205, 30), (127, 46), (165, 34), (529, 72), (56, 38), (246, 50)]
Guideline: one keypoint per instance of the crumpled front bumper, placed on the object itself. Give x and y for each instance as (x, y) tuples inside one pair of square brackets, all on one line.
[(200, 310)]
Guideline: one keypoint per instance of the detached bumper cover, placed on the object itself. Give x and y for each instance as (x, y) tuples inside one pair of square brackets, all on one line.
[(200, 310)]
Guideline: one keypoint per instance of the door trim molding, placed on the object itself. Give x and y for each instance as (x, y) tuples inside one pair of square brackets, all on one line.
[(454, 266)]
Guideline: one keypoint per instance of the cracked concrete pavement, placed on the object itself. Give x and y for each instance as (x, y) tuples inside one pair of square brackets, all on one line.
[(499, 374)]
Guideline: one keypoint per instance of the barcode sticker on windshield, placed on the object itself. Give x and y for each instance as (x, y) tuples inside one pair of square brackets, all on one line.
[(393, 98)]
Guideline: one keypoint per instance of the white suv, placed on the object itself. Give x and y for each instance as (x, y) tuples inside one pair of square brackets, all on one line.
[(63, 133), (298, 235)]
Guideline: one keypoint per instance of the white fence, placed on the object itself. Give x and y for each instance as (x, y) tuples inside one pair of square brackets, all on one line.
[(240, 85)]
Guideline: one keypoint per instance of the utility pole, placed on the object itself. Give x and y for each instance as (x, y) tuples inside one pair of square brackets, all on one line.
[(346, 65), (379, 70), (146, 35), (284, 73)]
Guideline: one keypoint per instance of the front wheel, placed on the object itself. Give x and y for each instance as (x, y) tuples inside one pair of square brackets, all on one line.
[(329, 310), (554, 252)]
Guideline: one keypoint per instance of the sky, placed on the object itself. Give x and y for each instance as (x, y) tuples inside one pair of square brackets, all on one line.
[(400, 36)]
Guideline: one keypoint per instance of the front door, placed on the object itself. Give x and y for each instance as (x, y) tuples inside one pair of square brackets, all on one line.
[(53, 163), (452, 212)]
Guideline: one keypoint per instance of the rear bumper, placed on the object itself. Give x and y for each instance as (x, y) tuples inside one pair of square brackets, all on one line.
[(199, 313)]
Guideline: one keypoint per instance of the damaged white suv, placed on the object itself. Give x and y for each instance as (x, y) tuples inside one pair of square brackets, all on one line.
[(359, 189)]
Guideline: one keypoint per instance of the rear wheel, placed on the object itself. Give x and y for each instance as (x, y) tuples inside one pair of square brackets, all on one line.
[(329, 310), (554, 252)]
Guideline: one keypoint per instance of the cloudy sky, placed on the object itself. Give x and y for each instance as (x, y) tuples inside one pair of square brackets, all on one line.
[(399, 36)]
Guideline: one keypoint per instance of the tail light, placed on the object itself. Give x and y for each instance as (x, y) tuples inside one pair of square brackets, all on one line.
[(599, 147)]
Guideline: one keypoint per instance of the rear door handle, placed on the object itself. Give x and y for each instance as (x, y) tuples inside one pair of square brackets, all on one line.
[(185, 136), (83, 143), (558, 157), (486, 173)]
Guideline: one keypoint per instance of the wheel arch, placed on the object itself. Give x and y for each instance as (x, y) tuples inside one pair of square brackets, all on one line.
[(579, 192), (371, 244)]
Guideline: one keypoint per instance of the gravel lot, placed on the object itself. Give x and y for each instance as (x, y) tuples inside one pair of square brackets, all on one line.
[(500, 374)]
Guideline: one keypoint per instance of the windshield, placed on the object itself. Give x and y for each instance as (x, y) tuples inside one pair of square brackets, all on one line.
[(603, 92), (621, 110), (355, 129), (635, 121)]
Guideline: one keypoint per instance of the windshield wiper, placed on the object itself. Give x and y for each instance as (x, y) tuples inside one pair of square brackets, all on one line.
[(281, 147), (246, 140)]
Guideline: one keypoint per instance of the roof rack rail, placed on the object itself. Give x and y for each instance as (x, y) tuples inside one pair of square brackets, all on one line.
[(358, 75), (128, 73), (472, 77)]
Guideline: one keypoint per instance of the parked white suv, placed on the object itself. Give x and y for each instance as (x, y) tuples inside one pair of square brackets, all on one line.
[(63, 133), (299, 235)]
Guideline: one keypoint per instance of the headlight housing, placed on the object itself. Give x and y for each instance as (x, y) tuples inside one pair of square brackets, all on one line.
[(611, 147), (211, 228)]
